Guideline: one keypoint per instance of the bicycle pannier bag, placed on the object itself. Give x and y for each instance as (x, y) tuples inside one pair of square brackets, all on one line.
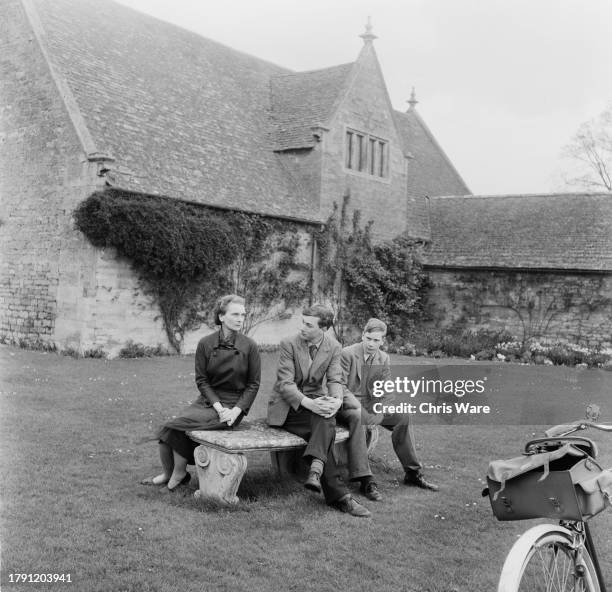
[(565, 484)]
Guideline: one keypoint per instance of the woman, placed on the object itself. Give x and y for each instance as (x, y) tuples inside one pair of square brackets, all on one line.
[(227, 372)]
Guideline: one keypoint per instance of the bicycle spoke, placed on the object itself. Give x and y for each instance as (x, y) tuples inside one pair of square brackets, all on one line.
[(551, 569)]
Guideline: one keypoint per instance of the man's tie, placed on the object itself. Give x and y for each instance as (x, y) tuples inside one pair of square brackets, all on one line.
[(312, 349), (366, 375)]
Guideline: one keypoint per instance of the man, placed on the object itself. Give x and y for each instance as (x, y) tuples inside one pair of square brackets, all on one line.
[(358, 375), (303, 405)]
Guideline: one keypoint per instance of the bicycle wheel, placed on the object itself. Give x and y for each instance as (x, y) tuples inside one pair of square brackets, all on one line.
[(544, 560)]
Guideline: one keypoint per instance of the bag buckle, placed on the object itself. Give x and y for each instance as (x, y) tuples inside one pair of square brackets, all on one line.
[(556, 504)]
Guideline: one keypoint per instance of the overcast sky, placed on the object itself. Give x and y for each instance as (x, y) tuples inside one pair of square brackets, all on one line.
[(502, 84)]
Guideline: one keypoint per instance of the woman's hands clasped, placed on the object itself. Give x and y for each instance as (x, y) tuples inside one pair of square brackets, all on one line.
[(233, 413), (226, 415)]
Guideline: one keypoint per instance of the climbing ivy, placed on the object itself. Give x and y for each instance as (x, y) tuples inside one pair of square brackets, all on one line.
[(363, 279), (186, 255)]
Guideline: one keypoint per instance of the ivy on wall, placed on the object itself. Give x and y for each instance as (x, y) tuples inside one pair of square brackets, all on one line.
[(264, 267), (187, 255), (362, 279), (532, 298)]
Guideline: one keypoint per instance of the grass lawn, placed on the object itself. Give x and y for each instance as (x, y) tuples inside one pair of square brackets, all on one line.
[(72, 458)]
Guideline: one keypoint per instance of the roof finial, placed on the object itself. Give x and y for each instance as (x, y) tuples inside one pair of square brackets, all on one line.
[(368, 36), (412, 102)]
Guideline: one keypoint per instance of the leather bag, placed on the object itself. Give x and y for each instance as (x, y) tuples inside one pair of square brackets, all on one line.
[(565, 484)]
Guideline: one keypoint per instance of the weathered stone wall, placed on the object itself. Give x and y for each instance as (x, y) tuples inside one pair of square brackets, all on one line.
[(122, 310), (43, 172), (576, 307), (304, 166), (55, 288)]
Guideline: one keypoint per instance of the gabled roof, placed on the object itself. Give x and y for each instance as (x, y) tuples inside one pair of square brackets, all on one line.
[(430, 172), (186, 117), (566, 231), (302, 101), (182, 115)]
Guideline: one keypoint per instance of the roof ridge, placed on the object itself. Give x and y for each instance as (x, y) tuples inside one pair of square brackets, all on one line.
[(313, 71), (521, 195)]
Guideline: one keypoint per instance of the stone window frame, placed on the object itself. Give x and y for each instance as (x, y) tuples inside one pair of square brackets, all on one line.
[(366, 154)]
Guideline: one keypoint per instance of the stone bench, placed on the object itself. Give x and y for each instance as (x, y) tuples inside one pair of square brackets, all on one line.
[(221, 462)]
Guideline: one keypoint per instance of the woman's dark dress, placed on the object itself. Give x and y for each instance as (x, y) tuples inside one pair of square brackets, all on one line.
[(225, 371)]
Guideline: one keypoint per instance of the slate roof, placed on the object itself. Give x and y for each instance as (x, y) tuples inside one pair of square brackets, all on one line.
[(182, 115), (430, 172), (190, 118), (303, 100), (565, 231)]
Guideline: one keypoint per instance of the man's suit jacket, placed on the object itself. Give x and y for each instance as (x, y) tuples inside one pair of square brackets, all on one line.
[(357, 380), (297, 376)]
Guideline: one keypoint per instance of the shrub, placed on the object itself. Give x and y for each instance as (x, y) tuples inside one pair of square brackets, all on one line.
[(138, 350), (456, 343), (73, 352), (96, 352), (268, 347), (32, 344), (364, 280)]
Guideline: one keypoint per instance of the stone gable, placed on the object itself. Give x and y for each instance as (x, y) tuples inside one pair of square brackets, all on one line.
[(365, 109)]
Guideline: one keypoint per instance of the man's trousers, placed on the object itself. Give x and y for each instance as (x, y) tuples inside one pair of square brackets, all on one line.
[(320, 433), (400, 426)]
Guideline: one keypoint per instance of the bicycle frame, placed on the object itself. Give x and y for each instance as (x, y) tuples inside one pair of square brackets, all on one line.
[(560, 432), (590, 547), (581, 534)]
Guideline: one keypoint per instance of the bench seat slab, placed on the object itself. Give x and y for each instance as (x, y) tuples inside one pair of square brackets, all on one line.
[(221, 462)]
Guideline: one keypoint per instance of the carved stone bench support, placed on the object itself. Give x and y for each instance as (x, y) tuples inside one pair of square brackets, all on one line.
[(219, 473)]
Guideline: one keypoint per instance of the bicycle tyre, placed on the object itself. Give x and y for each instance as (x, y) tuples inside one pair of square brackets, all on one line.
[(543, 560)]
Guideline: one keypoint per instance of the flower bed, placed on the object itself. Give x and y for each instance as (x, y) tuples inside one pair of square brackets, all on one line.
[(499, 345)]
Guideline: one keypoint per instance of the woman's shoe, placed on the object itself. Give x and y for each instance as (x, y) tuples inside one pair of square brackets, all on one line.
[(174, 484), (157, 480)]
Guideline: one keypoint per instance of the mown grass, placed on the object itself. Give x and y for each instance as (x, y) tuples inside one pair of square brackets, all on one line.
[(73, 455)]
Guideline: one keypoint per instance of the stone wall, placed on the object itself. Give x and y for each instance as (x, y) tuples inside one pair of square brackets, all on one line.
[(55, 288), (366, 108), (576, 307), (43, 173)]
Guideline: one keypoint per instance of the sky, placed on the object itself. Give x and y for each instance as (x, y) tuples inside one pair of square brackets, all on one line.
[(502, 84)]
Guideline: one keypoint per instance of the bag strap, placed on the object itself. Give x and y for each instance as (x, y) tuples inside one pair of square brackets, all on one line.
[(546, 472), (506, 470)]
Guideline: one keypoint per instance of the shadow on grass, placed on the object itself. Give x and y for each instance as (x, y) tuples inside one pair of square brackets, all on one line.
[(256, 488)]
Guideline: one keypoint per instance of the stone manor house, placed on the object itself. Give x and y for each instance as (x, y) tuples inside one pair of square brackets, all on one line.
[(97, 95)]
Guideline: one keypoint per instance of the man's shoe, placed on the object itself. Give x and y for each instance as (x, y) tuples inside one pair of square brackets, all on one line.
[(416, 478), (370, 490), (313, 482), (350, 505)]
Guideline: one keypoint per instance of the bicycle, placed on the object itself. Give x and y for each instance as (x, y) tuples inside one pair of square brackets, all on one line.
[(555, 557)]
